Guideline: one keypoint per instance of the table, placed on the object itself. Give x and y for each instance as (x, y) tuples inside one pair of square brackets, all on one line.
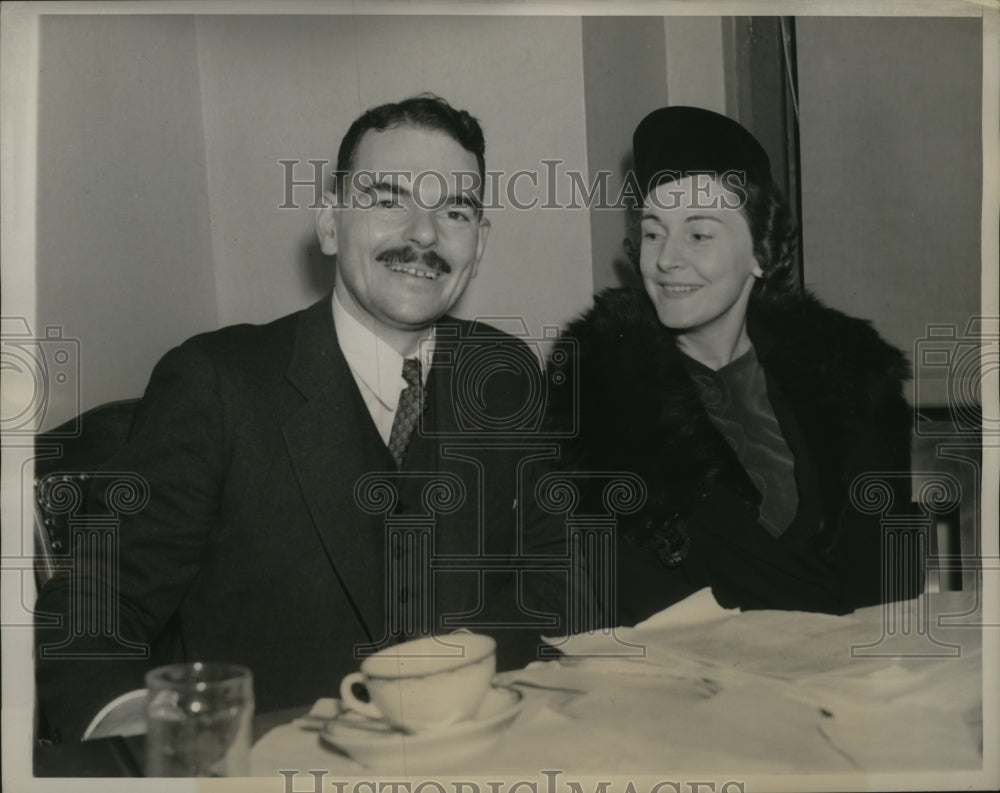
[(887, 689), (696, 688)]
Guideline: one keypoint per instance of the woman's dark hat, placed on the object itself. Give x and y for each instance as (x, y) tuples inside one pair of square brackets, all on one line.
[(674, 142)]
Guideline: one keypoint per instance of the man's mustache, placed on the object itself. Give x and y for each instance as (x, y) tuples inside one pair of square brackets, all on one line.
[(406, 255)]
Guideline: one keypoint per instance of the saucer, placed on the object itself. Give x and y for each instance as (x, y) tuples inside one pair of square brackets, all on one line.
[(375, 744)]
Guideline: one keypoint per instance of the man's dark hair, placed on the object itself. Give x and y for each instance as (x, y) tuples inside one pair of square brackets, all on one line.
[(426, 111)]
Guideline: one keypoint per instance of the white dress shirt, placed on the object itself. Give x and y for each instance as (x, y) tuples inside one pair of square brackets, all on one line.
[(376, 366)]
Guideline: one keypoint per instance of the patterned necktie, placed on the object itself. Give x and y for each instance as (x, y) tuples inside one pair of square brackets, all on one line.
[(408, 410)]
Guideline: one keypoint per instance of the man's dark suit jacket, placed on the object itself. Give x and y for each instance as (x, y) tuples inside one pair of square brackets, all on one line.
[(255, 547)]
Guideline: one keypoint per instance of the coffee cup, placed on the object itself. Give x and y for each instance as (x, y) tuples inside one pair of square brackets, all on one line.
[(425, 683)]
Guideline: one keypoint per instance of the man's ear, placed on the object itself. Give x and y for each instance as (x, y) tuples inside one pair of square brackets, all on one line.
[(326, 224), (484, 232)]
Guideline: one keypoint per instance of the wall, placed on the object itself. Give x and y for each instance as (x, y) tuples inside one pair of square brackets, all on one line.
[(288, 87), (124, 261), (159, 142), (695, 62), (633, 65), (892, 173), (623, 62), (160, 183)]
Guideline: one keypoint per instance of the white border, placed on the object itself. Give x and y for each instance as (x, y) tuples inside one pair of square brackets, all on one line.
[(18, 92)]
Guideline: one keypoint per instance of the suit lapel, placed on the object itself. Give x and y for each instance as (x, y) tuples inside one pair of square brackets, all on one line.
[(327, 446)]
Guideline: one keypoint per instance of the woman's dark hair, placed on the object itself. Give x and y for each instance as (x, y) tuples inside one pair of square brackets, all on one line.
[(426, 111), (775, 237)]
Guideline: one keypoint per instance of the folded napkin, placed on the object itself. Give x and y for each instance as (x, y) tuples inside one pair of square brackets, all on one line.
[(692, 718), (786, 689)]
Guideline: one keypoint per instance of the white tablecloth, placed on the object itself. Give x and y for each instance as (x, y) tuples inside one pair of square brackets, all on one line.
[(699, 688)]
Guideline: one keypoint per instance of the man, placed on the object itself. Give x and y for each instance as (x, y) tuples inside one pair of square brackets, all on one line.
[(303, 473)]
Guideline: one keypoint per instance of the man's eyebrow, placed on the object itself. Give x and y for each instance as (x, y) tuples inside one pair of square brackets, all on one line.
[(451, 200), (465, 200), (392, 188), (650, 216)]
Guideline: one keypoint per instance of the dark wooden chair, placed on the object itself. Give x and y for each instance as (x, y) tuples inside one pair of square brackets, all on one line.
[(66, 458), (947, 475), (65, 461)]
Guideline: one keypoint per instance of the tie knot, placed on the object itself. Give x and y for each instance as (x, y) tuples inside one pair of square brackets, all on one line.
[(411, 371)]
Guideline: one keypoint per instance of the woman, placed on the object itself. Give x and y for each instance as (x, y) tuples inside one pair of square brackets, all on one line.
[(747, 407)]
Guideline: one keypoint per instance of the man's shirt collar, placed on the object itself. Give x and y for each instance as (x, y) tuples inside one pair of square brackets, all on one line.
[(372, 360)]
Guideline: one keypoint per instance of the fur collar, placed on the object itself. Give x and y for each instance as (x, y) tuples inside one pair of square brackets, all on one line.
[(640, 411)]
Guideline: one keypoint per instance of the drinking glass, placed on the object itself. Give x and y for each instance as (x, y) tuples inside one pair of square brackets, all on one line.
[(199, 720)]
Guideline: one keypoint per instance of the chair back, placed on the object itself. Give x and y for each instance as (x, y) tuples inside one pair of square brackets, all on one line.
[(66, 460), (947, 479)]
